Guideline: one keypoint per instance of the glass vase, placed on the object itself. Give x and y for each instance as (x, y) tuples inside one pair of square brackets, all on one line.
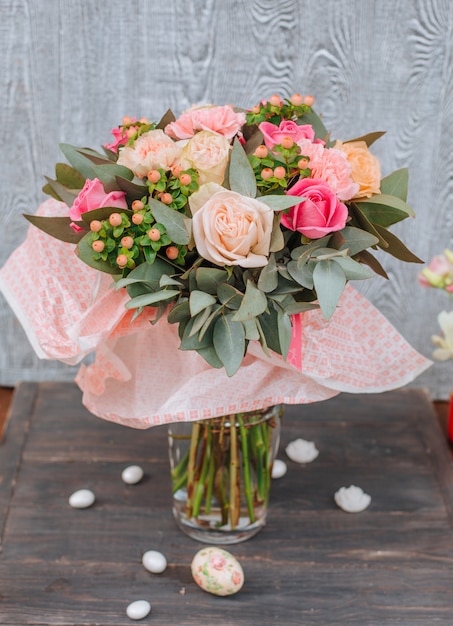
[(221, 474)]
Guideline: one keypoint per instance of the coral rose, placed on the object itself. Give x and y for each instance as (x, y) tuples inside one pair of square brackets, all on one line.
[(230, 229), (93, 196), (151, 151), (222, 120), (208, 153), (332, 166), (273, 134), (366, 169), (319, 214)]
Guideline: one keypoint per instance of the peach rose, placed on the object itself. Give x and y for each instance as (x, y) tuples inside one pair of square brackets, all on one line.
[(230, 229), (152, 150), (208, 153), (366, 169), (222, 120), (332, 166)]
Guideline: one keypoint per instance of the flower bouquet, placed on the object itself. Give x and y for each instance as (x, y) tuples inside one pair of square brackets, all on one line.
[(235, 234)]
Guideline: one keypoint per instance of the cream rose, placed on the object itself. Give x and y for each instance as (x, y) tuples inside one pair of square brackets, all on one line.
[(208, 153), (366, 169), (152, 150), (230, 229)]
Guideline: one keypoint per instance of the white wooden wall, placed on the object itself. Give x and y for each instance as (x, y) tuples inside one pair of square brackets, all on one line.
[(70, 69)]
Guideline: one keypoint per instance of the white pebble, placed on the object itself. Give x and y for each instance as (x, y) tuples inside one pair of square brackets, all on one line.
[(301, 451), (132, 475), (154, 562), (352, 499), (138, 609), (279, 468), (81, 499)]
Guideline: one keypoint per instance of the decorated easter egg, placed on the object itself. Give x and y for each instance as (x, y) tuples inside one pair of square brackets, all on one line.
[(217, 571)]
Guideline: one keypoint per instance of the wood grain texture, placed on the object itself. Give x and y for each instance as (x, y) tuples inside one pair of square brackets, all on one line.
[(71, 70), (312, 564)]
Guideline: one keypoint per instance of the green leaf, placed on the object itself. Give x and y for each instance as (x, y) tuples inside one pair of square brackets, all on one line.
[(108, 174), (241, 175), (359, 216), (355, 240), (369, 138), (396, 248), (167, 118), (329, 281), (57, 227), (229, 343), (200, 319), (148, 299), (173, 221), (385, 203), (65, 195), (285, 332), (191, 341), (396, 184), (302, 273), (209, 278), (300, 307), (133, 190), (200, 300), (368, 259), (166, 281), (254, 140), (229, 296), (151, 274), (179, 312), (94, 156), (280, 203), (352, 269), (251, 330), (210, 356), (80, 162), (68, 176), (85, 254), (277, 240), (103, 213), (253, 303), (268, 324), (268, 279)]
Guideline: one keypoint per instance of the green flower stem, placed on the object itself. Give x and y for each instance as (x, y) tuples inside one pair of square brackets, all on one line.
[(191, 467), (210, 484), (248, 493), (234, 475), (204, 463)]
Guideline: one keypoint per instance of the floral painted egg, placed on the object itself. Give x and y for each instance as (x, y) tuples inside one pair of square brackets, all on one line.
[(217, 571)]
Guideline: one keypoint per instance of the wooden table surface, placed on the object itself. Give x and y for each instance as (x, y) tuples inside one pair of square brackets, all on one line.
[(312, 564)]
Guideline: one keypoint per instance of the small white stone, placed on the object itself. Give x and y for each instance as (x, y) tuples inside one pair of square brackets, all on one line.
[(154, 562), (138, 609), (301, 451), (279, 468), (132, 475), (81, 499), (352, 499)]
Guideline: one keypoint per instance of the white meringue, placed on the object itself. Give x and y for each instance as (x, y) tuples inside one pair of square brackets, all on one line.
[(352, 499), (301, 451)]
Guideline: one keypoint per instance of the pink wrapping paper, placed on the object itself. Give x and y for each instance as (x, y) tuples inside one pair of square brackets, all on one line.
[(140, 378)]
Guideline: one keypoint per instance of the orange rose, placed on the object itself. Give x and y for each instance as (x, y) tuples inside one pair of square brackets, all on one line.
[(366, 169)]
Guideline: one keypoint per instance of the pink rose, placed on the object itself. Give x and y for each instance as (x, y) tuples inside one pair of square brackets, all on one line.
[(93, 196), (152, 150), (222, 120), (273, 134), (230, 229), (332, 166), (319, 214)]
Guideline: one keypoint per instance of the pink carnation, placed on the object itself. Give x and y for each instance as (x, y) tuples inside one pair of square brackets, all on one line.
[(121, 139), (222, 120), (319, 214), (93, 196), (273, 134), (332, 166)]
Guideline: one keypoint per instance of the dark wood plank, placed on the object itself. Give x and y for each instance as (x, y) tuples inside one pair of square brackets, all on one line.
[(312, 564)]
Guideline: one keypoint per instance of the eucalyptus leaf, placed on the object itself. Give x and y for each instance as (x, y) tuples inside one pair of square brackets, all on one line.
[(356, 240), (80, 162), (300, 307), (179, 312), (396, 184), (149, 299), (241, 176), (262, 339), (150, 274), (85, 254), (190, 341), (396, 247), (302, 274), (210, 356), (94, 156), (364, 223), (216, 310), (173, 221), (209, 278), (385, 201), (251, 330), (268, 279), (199, 320), (229, 296), (57, 227), (280, 203), (134, 191), (285, 332), (50, 191), (229, 343), (166, 281), (200, 300), (277, 242), (329, 281), (303, 252), (103, 213), (352, 269), (369, 138), (108, 174), (253, 303), (267, 323), (65, 195)]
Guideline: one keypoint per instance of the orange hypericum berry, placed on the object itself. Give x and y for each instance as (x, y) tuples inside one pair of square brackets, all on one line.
[(302, 164), (275, 100), (137, 205), (98, 245), (137, 218), (296, 99), (121, 260), (266, 173), (185, 179), (115, 219), (166, 198), (127, 120), (261, 152), (256, 109), (154, 234), (172, 252), (280, 172), (309, 101), (154, 176), (127, 242), (176, 170), (131, 131), (95, 226), (287, 143), (144, 120)]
